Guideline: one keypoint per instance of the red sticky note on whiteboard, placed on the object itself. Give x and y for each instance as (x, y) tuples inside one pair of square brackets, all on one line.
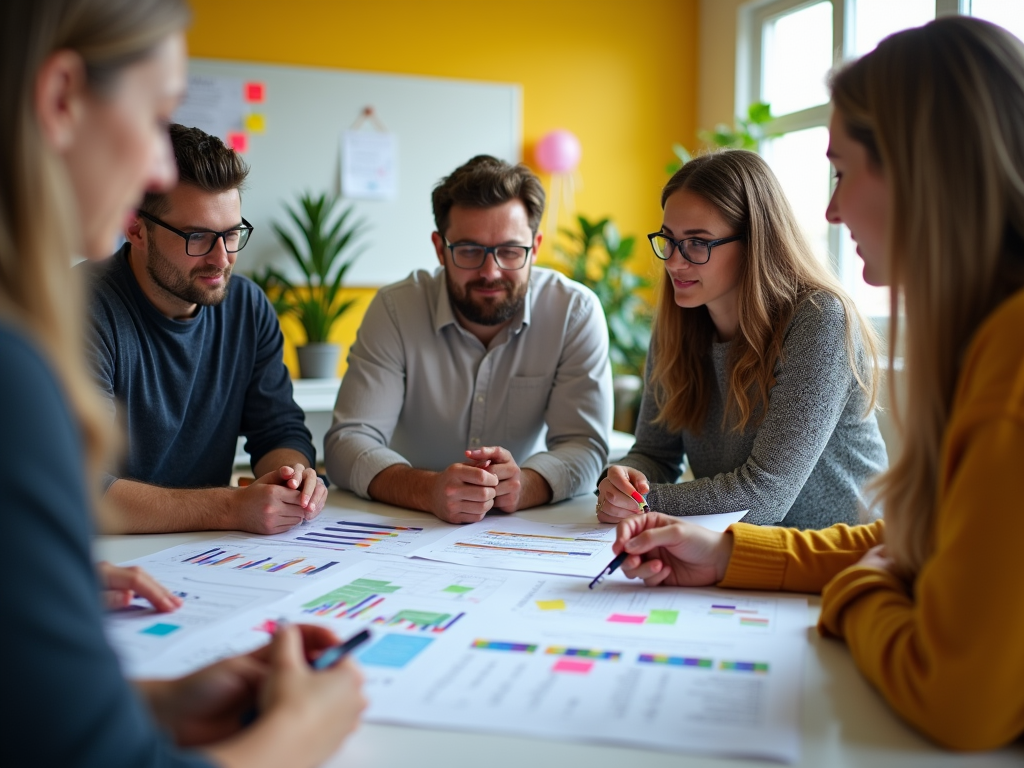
[(238, 141), (255, 93)]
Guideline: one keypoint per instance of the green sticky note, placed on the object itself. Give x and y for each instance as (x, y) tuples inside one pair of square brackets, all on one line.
[(663, 617), (457, 589)]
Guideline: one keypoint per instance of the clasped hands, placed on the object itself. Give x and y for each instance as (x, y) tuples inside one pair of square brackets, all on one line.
[(280, 500), (488, 479)]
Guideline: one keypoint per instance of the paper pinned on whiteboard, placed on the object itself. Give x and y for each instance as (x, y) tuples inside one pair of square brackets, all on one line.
[(213, 104), (369, 165)]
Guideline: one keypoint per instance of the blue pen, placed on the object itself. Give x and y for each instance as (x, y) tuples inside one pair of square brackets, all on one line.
[(336, 653), (610, 568)]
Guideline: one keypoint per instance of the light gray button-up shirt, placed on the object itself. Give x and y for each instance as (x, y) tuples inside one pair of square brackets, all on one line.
[(420, 389)]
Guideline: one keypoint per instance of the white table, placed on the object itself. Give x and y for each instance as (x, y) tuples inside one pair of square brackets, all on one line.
[(845, 723)]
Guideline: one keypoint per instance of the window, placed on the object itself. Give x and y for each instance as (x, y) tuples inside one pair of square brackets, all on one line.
[(785, 51)]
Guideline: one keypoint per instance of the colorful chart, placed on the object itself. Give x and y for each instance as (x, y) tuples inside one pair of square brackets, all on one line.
[(422, 621), (347, 533), (759, 668), (530, 543), (675, 661), (296, 565), (497, 645), (585, 653), (748, 617), (351, 600), (394, 651)]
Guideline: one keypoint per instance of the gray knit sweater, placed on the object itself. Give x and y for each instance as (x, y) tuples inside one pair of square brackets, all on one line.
[(803, 466)]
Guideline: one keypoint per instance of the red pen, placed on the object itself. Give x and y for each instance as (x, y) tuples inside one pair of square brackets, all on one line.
[(640, 502)]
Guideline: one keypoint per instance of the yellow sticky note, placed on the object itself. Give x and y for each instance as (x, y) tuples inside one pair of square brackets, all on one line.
[(255, 123), (551, 605)]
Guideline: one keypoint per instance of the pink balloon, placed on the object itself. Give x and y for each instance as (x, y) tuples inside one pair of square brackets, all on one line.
[(558, 152)]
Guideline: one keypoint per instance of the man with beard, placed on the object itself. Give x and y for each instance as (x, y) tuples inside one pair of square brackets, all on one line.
[(485, 384), (190, 358)]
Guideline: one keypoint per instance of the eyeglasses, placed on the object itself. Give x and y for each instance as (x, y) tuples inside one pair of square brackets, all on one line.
[(694, 250), (473, 256), (201, 243)]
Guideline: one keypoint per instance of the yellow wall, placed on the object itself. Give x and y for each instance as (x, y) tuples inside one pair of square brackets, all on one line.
[(620, 75)]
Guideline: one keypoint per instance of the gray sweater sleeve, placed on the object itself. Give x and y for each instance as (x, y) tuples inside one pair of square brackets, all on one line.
[(813, 385)]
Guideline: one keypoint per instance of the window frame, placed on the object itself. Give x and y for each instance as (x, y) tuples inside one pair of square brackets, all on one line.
[(751, 21)]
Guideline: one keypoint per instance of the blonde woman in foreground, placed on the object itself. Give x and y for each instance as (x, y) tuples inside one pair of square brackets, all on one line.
[(927, 140), (87, 88)]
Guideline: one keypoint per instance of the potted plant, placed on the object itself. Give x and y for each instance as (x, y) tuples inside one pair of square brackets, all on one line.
[(323, 252), (596, 255), (746, 134)]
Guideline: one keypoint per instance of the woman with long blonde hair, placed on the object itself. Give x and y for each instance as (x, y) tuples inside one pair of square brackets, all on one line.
[(927, 139), (87, 88), (761, 371)]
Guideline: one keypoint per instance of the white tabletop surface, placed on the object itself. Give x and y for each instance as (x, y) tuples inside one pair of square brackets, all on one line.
[(845, 723)]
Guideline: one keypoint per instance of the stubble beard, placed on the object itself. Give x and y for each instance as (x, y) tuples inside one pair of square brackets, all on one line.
[(182, 286), (486, 311)]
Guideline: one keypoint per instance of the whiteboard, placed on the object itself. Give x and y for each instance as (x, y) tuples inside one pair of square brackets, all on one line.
[(439, 124)]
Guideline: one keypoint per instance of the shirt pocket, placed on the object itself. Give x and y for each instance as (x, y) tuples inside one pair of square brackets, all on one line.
[(527, 405)]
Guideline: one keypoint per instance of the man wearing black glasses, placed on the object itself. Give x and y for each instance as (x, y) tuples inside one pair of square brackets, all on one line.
[(485, 384), (190, 358)]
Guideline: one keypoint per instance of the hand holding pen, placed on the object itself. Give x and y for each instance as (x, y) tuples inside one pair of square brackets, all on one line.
[(621, 494)]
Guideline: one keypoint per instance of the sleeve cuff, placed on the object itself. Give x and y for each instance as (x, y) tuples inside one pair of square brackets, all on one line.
[(759, 555), (554, 473), (368, 465)]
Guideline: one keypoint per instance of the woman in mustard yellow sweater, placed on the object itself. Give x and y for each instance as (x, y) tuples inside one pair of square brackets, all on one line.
[(927, 140)]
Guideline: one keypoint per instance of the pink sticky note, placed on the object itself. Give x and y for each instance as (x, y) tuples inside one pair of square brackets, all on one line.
[(238, 141), (572, 665), (255, 93), (625, 618)]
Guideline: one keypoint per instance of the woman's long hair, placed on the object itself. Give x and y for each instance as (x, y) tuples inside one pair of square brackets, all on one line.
[(778, 271), (940, 110), (39, 226)]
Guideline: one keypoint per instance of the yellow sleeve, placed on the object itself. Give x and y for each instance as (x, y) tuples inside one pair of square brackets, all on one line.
[(950, 659), (795, 561)]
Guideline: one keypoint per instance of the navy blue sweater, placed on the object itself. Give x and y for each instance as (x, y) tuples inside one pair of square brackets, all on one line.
[(72, 706), (186, 389)]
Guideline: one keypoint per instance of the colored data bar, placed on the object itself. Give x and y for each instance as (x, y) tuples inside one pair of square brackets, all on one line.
[(345, 608), (584, 653), (217, 556), (470, 545), (675, 661), (759, 668), (752, 622), (380, 527), (495, 645), (420, 621)]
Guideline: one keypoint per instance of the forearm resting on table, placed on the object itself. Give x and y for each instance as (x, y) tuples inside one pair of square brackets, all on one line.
[(535, 490), (136, 507), (774, 558), (403, 486)]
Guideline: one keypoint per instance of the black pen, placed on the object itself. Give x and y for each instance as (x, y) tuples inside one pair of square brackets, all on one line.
[(609, 569), (336, 653)]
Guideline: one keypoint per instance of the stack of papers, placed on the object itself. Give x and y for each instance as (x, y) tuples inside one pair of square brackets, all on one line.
[(489, 627)]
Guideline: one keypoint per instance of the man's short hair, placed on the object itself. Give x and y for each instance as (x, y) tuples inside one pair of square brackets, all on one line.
[(203, 161), (485, 182)]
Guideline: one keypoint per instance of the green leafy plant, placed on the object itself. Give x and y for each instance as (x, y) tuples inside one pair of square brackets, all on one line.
[(324, 253), (596, 255), (744, 135)]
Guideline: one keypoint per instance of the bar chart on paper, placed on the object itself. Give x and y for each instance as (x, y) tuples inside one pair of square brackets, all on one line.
[(667, 611), (259, 560), (346, 532), (525, 545)]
